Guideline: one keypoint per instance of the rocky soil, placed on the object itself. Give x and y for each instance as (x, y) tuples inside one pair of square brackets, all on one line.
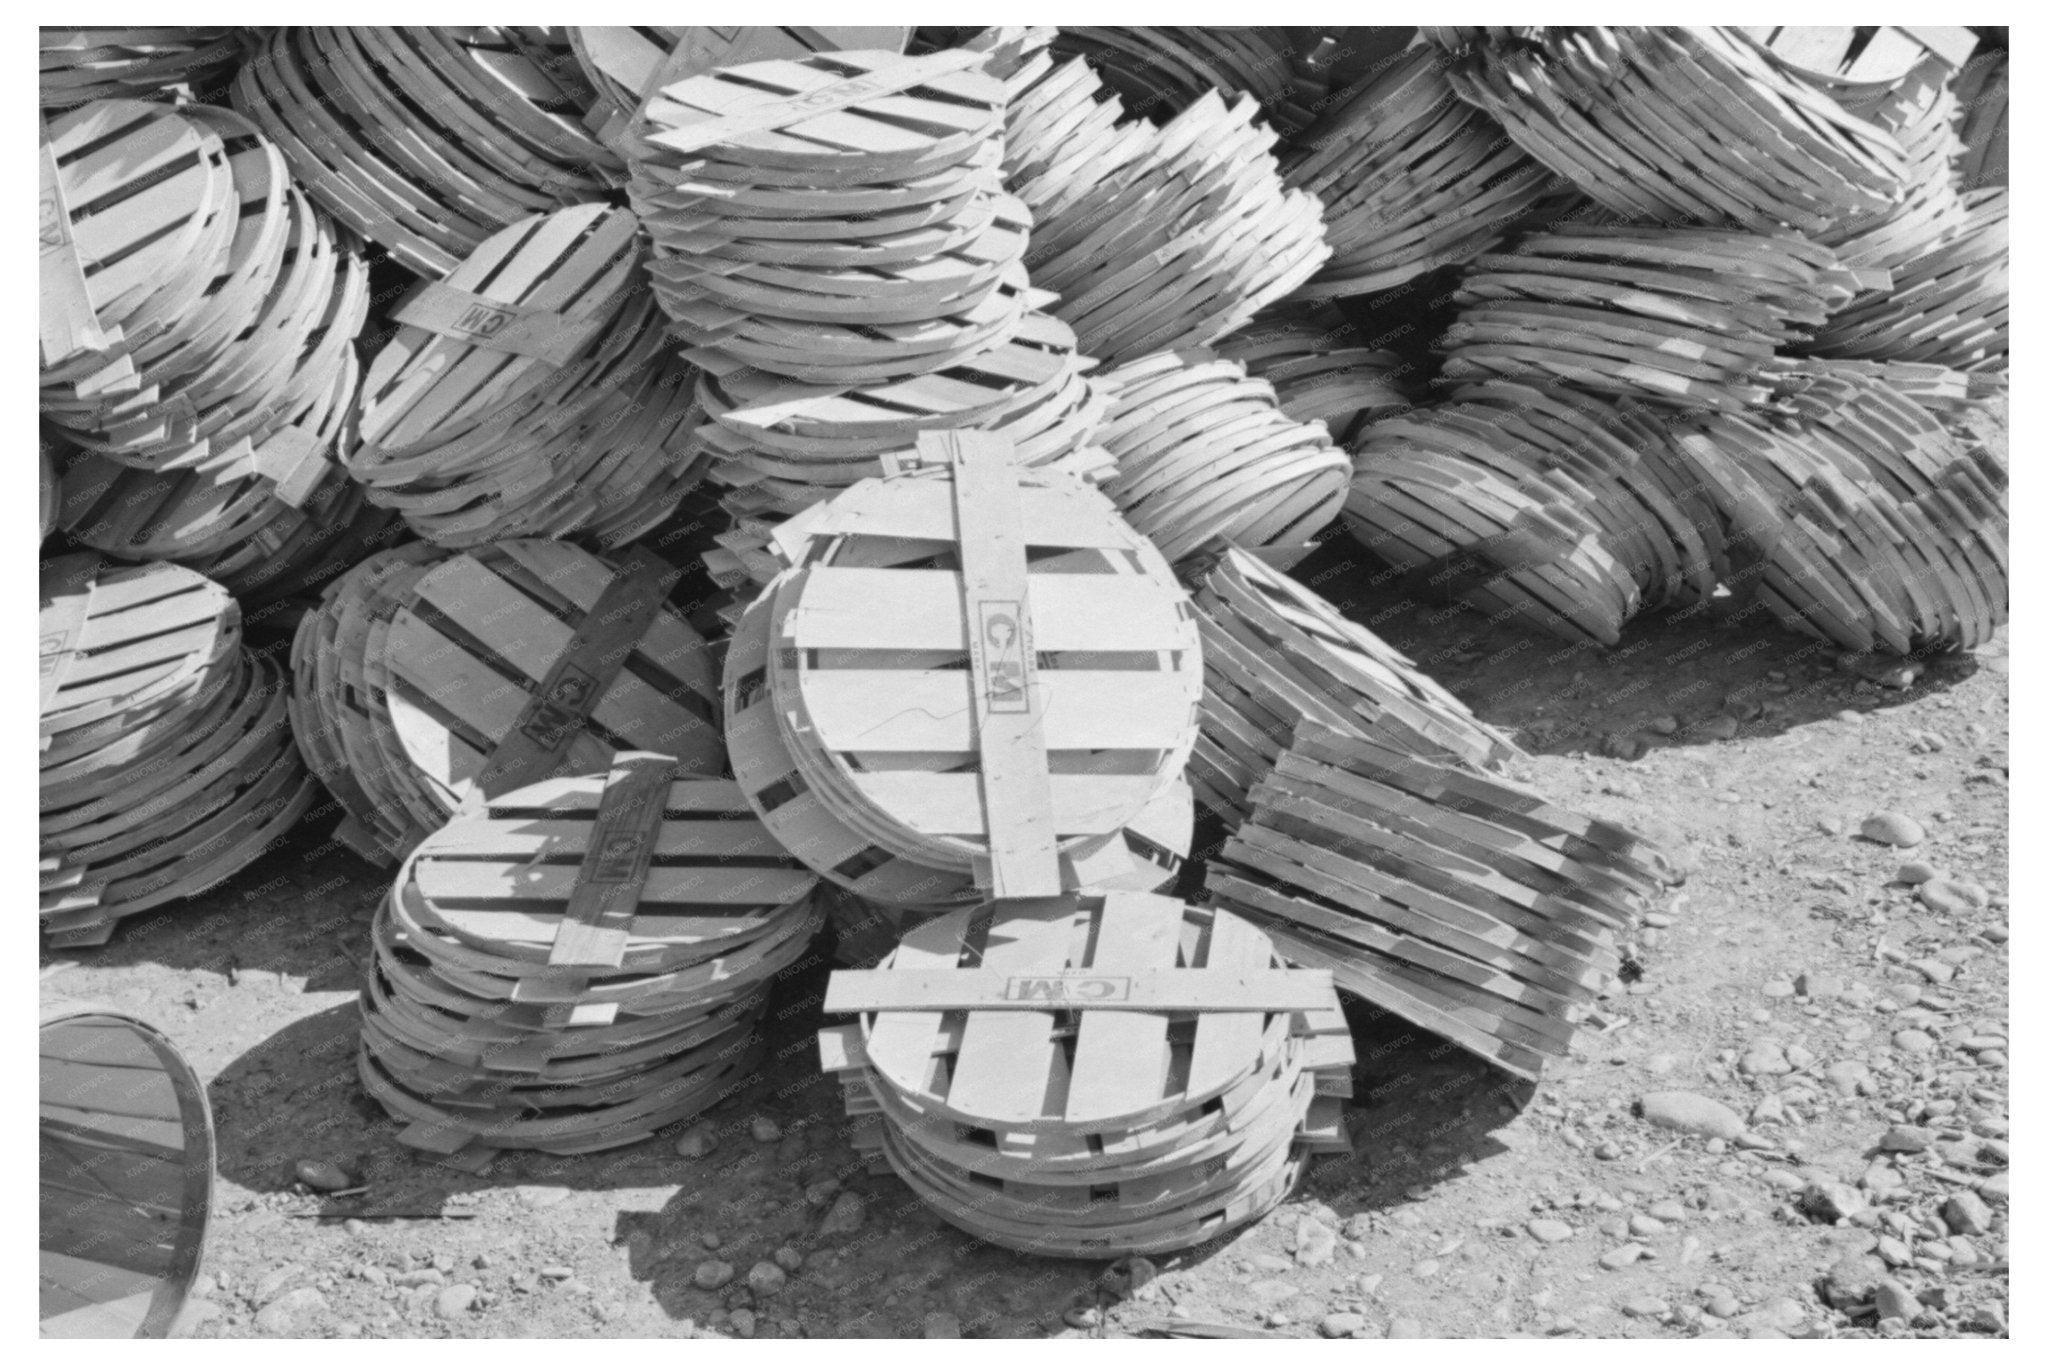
[(1793, 1121)]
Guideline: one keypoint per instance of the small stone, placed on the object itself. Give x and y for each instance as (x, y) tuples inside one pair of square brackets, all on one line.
[(766, 1279), (744, 1323), (1953, 896), (1967, 1213), (1684, 1112), (1997, 1189), (765, 1129), (1831, 1200), (1914, 873), (413, 1279), (819, 1193), (1894, 1300), (1819, 987), (1717, 727), (557, 1272), (1934, 969), (1902, 1138), (713, 1274), (1336, 1325), (1890, 827), (1405, 1329), (1724, 1305), (1426, 1269), (1914, 1041), (847, 1214), (1662, 725), (1778, 988), (941, 1327), (1082, 1318), (1985, 1318), (287, 1314), (321, 1175), (1894, 1252), (1667, 1211), (454, 1301), (1831, 824), (542, 1196), (1315, 1242), (1642, 1225), (697, 1142), (1550, 1230), (789, 1258), (710, 1241), (1622, 1256), (1645, 1306)]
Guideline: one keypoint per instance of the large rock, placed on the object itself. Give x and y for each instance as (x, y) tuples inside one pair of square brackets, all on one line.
[(1890, 827), (1831, 1200), (1851, 1282), (1681, 1111), (1966, 1213)]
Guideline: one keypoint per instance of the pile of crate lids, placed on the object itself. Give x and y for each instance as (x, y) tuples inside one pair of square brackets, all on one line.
[(981, 336)]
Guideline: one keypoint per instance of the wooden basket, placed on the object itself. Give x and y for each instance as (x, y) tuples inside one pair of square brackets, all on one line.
[(1983, 90), (1870, 524), (1461, 903), (1020, 1086), (1948, 301), (574, 964), (1683, 125), (1276, 653), (78, 65), (1205, 457), (834, 219), (424, 140), (167, 762), (1411, 179), (1684, 317), (426, 679), (532, 392), (840, 715), (1161, 72)]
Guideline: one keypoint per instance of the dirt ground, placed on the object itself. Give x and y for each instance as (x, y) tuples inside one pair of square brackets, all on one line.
[(1789, 978)]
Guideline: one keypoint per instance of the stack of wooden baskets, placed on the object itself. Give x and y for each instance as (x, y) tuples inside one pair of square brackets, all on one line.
[(1871, 524), (1161, 72), (1171, 237), (1092, 1077), (1300, 351), (426, 678), (855, 715), (198, 326), (1686, 317), (1275, 653), (1948, 303), (1571, 511), (1411, 178), (1466, 904), (167, 764), (423, 139), (531, 392), (1205, 456), (1683, 125), (569, 966), (625, 65), (835, 219)]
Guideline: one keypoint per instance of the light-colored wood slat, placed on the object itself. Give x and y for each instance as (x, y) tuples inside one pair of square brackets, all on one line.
[(921, 609), (950, 803), (875, 710), (899, 1042), (1004, 1065), (523, 884), (1009, 989), (1120, 1058), (1227, 1043)]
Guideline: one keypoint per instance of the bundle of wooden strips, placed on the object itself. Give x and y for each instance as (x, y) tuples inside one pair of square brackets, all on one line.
[(625, 65), (532, 392), (1092, 1077), (1683, 124), (1920, 110), (1063, 131), (1948, 303), (1862, 63), (167, 764), (1680, 316), (198, 313), (1183, 241), (1859, 517), (1982, 92), (79, 65), (1273, 653), (1411, 178), (425, 679), (1568, 510), (1162, 72), (836, 219), (1458, 901), (1205, 456), (955, 651), (1297, 348), (569, 966), (423, 139)]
